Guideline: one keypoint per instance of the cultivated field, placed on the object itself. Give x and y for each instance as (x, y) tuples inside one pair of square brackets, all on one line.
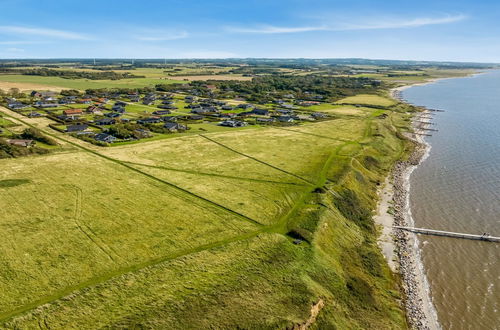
[(366, 99), (51, 83)]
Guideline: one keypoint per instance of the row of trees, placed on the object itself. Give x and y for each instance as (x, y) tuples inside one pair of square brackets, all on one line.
[(68, 74)]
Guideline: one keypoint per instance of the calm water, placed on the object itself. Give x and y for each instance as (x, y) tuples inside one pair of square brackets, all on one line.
[(458, 189)]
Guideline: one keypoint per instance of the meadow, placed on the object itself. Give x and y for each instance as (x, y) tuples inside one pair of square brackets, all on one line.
[(199, 230), (26, 82)]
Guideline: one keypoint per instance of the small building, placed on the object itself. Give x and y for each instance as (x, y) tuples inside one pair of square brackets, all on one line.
[(286, 119), (105, 121), (72, 113), (233, 123), (103, 137), (150, 120), (113, 114), (143, 133), (161, 112), (174, 127), (21, 142), (261, 112), (227, 107), (76, 128), (118, 108), (318, 115)]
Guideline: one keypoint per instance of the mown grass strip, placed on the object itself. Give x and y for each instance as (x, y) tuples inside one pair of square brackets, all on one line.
[(258, 160), (214, 174)]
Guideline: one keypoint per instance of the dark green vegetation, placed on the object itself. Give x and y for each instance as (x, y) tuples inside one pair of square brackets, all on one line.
[(68, 74)]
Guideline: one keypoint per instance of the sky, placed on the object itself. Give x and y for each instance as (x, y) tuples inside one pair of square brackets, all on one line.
[(440, 30)]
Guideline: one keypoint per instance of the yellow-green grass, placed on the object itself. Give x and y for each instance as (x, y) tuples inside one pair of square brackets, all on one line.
[(263, 200), (68, 219), (195, 153), (192, 256), (83, 84), (347, 110), (367, 99)]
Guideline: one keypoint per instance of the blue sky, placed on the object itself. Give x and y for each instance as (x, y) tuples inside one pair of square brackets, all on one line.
[(416, 30)]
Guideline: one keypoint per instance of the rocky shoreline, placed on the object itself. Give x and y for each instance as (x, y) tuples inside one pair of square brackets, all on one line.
[(416, 309)]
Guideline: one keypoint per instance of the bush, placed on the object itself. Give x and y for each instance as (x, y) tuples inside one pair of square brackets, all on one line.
[(34, 134)]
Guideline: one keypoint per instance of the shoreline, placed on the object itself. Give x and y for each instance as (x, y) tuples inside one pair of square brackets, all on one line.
[(400, 248)]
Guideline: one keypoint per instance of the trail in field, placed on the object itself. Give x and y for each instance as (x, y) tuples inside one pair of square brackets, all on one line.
[(214, 174), (87, 231), (312, 134), (257, 160)]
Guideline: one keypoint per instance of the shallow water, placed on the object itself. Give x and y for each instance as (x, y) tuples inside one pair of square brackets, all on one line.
[(457, 188)]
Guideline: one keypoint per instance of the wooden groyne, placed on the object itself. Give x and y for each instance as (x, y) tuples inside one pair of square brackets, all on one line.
[(425, 231)]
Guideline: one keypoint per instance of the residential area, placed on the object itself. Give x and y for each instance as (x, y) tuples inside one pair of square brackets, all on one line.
[(105, 118)]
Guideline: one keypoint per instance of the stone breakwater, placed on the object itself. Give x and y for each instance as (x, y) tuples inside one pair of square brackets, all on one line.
[(417, 311)]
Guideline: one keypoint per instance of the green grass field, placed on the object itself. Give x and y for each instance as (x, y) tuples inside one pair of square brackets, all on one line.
[(82, 84), (197, 231), (366, 99)]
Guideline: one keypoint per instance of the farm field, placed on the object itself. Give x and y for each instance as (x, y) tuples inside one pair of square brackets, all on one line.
[(197, 229), (366, 99), (26, 82)]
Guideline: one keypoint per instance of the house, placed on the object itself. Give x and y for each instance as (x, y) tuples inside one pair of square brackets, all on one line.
[(134, 98), (43, 105), (195, 117), (265, 120), (17, 106), (161, 112), (309, 103), (174, 127), (150, 120), (72, 113), (245, 106), (286, 119), (261, 112), (170, 119), (84, 101), (103, 137), (202, 110), (284, 112), (233, 123), (227, 107), (76, 128), (121, 104), (168, 107), (113, 114), (245, 114), (118, 108), (21, 143), (148, 101), (48, 94), (92, 109), (318, 115), (35, 94), (143, 133), (105, 121), (33, 114)]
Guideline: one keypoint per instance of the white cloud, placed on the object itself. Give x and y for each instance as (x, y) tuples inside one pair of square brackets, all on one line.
[(269, 29), (20, 42), (377, 25), (15, 50), (42, 32), (402, 23), (163, 36)]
